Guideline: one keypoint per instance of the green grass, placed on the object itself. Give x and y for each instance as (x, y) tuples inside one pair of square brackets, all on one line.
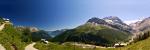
[(9, 36), (141, 45), (54, 46)]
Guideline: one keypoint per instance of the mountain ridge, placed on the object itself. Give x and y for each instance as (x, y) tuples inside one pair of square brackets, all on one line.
[(141, 26), (95, 31), (112, 21)]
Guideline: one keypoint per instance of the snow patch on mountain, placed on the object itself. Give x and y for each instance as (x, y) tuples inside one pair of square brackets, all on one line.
[(128, 22)]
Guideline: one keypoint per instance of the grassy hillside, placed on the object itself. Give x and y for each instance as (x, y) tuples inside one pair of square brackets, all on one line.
[(54, 46), (10, 38), (93, 34), (141, 45), (13, 38)]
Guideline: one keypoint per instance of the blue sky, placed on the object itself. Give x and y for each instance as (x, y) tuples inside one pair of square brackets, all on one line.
[(61, 14)]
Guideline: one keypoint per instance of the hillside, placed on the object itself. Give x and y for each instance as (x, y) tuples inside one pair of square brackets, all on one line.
[(141, 45), (16, 38), (10, 38), (93, 34)]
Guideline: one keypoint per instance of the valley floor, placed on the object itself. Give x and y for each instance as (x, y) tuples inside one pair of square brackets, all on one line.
[(141, 45)]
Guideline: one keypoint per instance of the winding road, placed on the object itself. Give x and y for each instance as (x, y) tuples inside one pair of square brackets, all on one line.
[(31, 47), (2, 48), (1, 28)]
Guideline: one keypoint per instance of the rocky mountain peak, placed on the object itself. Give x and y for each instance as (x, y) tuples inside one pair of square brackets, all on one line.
[(96, 20), (112, 19)]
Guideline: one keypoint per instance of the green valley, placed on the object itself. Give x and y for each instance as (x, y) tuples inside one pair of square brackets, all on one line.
[(93, 34)]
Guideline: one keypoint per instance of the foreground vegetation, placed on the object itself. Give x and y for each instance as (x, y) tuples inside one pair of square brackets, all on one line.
[(15, 38), (141, 45), (55, 46), (10, 38)]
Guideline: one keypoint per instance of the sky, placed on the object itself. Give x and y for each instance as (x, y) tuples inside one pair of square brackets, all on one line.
[(66, 14)]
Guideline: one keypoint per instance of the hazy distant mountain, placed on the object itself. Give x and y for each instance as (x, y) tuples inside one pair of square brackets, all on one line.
[(96, 31), (55, 33)]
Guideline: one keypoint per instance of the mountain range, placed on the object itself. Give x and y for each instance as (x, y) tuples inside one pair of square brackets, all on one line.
[(113, 22), (141, 25), (106, 31)]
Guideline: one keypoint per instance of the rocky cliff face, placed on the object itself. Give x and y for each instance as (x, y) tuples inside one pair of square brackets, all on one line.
[(113, 20), (117, 23), (141, 26), (97, 20)]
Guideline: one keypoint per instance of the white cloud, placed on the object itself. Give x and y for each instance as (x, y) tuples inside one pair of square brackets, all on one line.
[(131, 21)]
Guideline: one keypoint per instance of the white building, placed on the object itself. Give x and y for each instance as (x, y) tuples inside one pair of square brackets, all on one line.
[(6, 20), (45, 41), (120, 44)]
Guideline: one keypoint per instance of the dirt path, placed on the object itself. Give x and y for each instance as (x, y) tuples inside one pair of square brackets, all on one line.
[(2, 27), (2, 48), (30, 47)]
